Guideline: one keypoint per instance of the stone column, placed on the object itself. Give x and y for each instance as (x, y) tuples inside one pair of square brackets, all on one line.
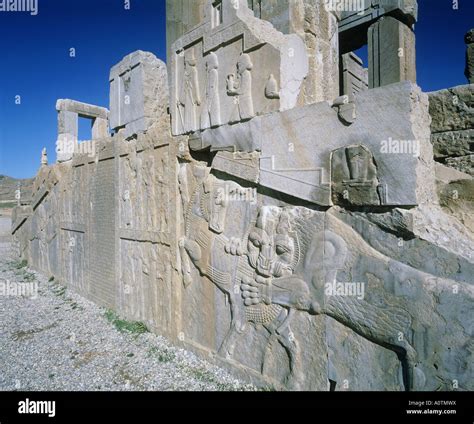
[(392, 55), (469, 39), (319, 29), (100, 128), (68, 129), (354, 75)]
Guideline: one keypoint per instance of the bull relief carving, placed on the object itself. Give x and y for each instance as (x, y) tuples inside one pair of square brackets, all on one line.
[(281, 264)]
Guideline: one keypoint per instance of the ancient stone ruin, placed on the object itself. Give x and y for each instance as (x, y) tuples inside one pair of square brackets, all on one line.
[(269, 203)]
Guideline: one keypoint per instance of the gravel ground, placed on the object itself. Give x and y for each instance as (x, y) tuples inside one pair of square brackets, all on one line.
[(57, 340)]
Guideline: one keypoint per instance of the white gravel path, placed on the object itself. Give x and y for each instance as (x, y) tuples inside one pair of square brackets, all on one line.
[(60, 341)]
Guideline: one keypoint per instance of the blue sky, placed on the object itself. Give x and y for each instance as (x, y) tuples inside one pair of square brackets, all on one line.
[(36, 62)]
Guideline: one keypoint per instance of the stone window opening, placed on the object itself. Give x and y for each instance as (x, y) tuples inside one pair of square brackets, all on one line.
[(85, 128), (217, 14)]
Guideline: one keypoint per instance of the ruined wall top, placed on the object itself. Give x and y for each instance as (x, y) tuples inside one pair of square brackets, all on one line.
[(232, 67)]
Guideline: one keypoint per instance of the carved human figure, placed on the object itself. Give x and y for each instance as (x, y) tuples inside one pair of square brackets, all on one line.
[(240, 87), (189, 97), (211, 110)]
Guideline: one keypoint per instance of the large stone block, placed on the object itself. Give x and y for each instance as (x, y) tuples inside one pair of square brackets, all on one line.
[(233, 67), (319, 29), (387, 157), (452, 109), (462, 163), (138, 93), (453, 143)]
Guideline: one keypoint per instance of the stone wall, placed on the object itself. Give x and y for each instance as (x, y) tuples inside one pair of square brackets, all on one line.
[(316, 247), (130, 229), (452, 127)]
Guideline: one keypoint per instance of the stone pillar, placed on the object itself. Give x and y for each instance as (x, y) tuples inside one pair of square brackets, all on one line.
[(354, 76), (318, 27), (392, 55), (68, 129), (100, 128), (469, 39)]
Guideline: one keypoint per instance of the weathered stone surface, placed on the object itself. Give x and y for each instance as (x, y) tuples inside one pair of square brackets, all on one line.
[(181, 17), (456, 194), (453, 143), (310, 20), (245, 166), (138, 93), (463, 163), (285, 248), (82, 109), (224, 70), (287, 142), (452, 109), (319, 29), (452, 113), (392, 54)]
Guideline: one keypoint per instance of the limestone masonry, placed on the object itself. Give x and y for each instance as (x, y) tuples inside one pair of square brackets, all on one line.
[(270, 204)]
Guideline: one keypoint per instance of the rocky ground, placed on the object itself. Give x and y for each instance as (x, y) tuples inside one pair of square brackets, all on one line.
[(8, 187), (60, 341)]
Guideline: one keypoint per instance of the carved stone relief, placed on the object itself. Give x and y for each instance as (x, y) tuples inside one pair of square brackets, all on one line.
[(233, 67)]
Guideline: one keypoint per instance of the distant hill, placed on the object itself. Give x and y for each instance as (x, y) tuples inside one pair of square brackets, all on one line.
[(9, 185)]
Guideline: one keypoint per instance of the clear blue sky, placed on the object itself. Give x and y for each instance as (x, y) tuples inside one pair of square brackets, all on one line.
[(34, 53)]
